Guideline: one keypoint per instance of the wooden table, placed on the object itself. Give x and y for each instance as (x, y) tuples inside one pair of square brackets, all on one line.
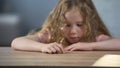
[(10, 57)]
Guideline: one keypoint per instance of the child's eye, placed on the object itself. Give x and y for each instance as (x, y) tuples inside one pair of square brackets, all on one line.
[(79, 25), (68, 25)]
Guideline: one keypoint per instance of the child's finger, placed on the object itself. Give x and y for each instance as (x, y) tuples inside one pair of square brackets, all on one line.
[(61, 48), (58, 49), (49, 51), (53, 50), (73, 49), (68, 48)]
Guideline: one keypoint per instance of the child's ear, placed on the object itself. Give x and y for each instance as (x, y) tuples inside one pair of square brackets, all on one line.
[(102, 37)]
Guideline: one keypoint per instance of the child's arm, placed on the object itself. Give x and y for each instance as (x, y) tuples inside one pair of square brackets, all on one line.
[(104, 43), (27, 43), (36, 43), (111, 44)]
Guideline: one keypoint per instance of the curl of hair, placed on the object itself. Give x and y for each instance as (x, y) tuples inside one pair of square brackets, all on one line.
[(93, 24)]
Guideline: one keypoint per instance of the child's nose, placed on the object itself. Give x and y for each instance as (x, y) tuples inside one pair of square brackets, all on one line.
[(73, 30)]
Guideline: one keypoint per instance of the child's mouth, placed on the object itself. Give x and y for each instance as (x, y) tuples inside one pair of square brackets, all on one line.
[(74, 39)]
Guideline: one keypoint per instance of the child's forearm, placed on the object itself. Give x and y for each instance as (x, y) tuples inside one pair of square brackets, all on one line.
[(25, 44), (111, 44)]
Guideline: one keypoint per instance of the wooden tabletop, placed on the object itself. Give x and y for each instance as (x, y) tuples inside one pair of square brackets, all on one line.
[(10, 57)]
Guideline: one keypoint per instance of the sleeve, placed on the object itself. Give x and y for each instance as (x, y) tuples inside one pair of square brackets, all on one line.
[(45, 36), (102, 37)]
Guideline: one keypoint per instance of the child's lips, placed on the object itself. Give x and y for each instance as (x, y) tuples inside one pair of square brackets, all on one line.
[(74, 38)]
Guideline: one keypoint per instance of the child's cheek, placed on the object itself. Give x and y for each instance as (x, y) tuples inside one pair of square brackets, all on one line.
[(65, 32)]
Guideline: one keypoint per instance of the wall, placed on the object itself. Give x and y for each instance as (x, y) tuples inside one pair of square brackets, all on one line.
[(110, 13)]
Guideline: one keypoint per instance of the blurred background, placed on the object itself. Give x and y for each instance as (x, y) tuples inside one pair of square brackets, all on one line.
[(18, 17)]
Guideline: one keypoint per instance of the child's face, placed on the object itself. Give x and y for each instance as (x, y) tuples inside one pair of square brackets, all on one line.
[(73, 30)]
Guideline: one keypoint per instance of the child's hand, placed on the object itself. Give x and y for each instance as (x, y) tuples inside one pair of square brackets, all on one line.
[(79, 47), (52, 48)]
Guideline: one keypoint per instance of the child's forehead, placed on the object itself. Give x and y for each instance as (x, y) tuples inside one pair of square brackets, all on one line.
[(73, 15)]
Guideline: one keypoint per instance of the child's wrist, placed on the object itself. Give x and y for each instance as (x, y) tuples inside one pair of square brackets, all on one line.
[(94, 45), (41, 46)]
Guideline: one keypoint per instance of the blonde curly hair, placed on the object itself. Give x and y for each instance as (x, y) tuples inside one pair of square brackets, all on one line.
[(93, 24)]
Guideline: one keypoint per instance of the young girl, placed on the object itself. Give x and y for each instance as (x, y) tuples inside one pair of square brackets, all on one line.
[(72, 25)]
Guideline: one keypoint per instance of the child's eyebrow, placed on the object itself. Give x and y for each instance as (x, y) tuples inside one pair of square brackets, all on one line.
[(67, 22), (81, 22)]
